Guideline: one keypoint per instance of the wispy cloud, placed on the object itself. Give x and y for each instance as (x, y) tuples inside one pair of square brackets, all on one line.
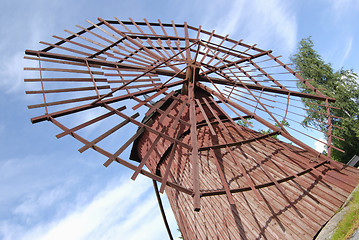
[(340, 8), (347, 50), (320, 147), (126, 211), (25, 34), (230, 23), (268, 23), (34, 203), (11, 73)]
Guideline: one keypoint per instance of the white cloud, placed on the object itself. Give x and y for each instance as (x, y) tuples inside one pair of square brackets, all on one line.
[(125, 211), (319, 146), (83, 221), (269, 23), (343, 6), (20, 178), (229, 24), (12, 73), (34, 203), (347, 50)]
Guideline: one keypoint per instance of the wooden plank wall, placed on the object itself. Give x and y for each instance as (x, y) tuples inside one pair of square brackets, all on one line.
[(292, 209)]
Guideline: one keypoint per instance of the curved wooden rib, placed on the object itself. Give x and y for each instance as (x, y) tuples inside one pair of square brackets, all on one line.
[(148, 60)]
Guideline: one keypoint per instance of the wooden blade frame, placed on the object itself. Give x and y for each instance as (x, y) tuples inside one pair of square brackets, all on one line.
[(139, 63)]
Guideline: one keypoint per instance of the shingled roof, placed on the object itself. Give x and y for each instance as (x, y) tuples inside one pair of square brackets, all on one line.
[(252, 186)]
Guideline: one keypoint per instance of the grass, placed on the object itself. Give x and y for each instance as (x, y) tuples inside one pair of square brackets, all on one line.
[(350, 222)]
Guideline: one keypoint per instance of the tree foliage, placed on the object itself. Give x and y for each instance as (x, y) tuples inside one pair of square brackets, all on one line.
[(283, 122), (244, 124), (341, 85)]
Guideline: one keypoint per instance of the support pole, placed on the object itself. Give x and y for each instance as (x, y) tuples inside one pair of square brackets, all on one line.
[(162, 210)]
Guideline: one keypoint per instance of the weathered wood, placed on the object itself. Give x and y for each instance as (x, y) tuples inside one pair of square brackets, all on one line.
[(247, 185)]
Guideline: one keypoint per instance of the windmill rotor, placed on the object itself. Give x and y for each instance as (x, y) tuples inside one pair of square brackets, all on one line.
[(182, 88)]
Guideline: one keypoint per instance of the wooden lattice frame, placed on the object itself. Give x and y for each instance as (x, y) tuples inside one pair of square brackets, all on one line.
[(125, 61)]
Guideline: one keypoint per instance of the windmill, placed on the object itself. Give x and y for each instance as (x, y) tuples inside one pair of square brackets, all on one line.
[(176, 93)]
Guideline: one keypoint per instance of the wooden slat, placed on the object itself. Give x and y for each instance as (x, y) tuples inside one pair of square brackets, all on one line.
[(146, 50), (60, 62), (224, 101), (188, 52), (217, 51), (159, 42), (259, 186), (170, 73), (177, 43), (63, 70), (174, 28), (79, 44), (168, 168), (107, 133), (93, 79), (149, 98), (105, 31), (205, 117), (155, 48), (149, 26), (159, 104), (217, 158), (121, 161), (64, 79), (123, 147), (87, 39), (279, 187), (163, 29), (228, 117), (123, 25), (148, 128), (42, 87), (148, 154), (107, 101), (215, 116), (141, 56), (194, 152), (70, 50), (70, 37), (133, 22), (178, 116), (73, 100), (175, 118), (87, 123), (238, 62), (237, 143), (140, 86), (139, 80), (246, 175), (68, 90), (167, 111), (149, 70)]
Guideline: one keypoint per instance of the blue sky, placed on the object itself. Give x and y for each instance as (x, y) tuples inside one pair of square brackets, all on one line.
[(49, 190)]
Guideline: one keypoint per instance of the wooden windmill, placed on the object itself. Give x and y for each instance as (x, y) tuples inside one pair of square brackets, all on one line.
[(176, 93)]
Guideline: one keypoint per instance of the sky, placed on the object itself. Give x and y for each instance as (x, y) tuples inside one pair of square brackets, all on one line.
[(51, 191)]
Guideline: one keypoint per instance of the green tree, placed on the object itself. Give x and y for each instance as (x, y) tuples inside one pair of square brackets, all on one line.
[(283, 122), (341, 85), (244, 124)]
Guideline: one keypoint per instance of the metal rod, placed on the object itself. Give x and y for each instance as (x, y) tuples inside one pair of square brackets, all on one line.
[(162, 210)]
